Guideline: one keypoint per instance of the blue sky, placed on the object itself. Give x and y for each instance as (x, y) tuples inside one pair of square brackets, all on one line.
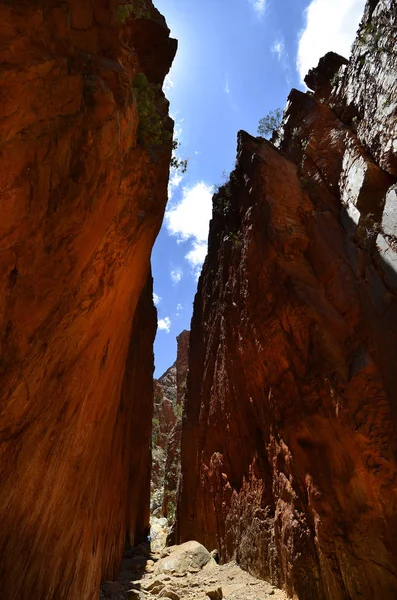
[(236, 61)]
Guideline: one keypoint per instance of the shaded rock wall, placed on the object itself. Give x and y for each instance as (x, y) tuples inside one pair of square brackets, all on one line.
[(82, 201), (173, 459), (164, 419), (169, 392), (289, 430), (164, 406)]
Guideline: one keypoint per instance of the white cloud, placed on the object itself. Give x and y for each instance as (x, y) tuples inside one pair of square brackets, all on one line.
[(189, 220), (196, 256), (178, 125), (168, 84), (156, 299), (176, 275), (259, 6), (278, 49), (164, 324), (174, 182), (179, 306), (329, 26)]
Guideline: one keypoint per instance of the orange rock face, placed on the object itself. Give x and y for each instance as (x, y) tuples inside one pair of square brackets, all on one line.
[(81, 204), (289, 435)]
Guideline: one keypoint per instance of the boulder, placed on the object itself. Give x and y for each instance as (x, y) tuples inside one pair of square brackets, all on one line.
[(215, 593), (189, 557)]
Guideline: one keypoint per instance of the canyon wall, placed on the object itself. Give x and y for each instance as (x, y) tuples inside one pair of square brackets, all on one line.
[(173, 458), (83, 192), (169, 392), (164, 419), (289, 429)]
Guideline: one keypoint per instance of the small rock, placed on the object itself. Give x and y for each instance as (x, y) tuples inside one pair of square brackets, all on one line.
[(169, 593), (215, 593), (156, 590), (215, 555), (155, 584)]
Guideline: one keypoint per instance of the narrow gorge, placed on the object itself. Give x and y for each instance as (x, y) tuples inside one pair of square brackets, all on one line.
[(268, 448)]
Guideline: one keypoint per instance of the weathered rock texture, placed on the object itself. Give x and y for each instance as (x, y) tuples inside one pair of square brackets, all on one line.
[(164, 406), (173, 460), (81, 204), (164, 419), (169, 391), (289, 431)]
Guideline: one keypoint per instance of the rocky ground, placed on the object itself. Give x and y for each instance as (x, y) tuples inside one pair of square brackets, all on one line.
[(186, 571)]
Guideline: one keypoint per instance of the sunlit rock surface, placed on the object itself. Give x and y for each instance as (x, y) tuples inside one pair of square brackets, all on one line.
[(289, 431)]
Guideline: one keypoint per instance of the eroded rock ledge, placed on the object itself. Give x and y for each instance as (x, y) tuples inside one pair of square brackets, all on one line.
[(289, 432), (82, 199)]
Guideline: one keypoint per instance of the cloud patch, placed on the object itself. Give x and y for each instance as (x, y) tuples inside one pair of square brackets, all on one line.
[(164, 324), (176, 275), (156, 299), (278, 49), (168, 84), (329, 26), (174, 182), (259, 6), (188, 220)]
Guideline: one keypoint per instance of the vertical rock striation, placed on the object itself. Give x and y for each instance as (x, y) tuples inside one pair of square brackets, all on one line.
[(164, 419), (82, 197), (289, 430), (169, 392), (173, 459)]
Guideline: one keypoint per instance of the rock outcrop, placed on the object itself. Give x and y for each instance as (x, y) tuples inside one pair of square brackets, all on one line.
[(83, 192), (173, 459), (169, 391), (289, 430), (164, 420)]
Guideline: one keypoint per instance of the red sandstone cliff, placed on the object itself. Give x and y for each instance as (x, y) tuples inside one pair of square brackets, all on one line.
[(82, 199), (169, 391), (164, 419), (164, 406), (173, 458), (289, 431)]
